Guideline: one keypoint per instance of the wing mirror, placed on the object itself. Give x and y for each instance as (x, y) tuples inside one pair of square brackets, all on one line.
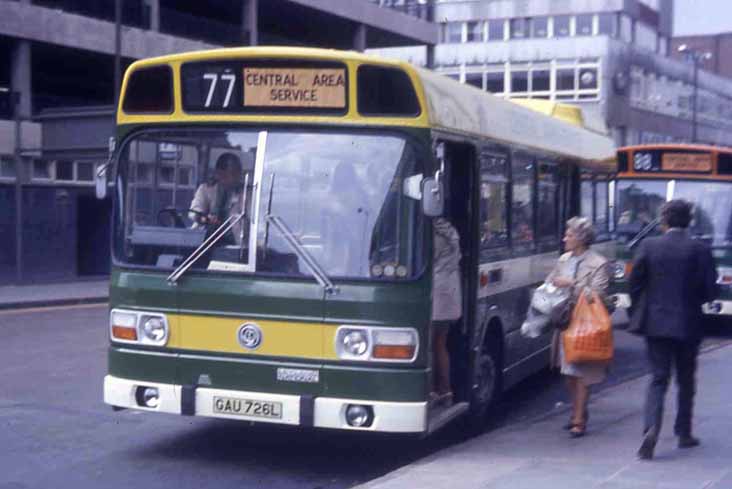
[(433, 196)]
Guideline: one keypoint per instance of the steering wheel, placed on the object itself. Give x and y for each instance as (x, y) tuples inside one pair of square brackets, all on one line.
[(176, 217)]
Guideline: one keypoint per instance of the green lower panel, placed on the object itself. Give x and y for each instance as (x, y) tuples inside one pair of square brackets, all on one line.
[(129, 364), (379, 384)]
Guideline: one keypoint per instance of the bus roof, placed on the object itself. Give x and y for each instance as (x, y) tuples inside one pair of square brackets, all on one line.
[(676, 146), (445, 104)]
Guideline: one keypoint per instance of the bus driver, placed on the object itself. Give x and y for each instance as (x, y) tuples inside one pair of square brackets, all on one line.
[(217, 200)]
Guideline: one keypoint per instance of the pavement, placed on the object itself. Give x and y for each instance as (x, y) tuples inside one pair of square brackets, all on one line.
[(54, 294), (538, 454)]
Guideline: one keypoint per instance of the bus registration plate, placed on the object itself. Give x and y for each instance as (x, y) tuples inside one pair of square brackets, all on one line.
[(247, 407)]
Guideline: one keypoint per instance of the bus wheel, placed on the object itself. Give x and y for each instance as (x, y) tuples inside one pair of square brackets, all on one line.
[(487, 382)]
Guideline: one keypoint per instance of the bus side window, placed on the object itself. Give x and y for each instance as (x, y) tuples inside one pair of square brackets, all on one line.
[(493, 200), (522, 203), (547, 205)]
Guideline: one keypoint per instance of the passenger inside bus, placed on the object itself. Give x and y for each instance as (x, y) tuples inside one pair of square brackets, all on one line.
[(346, 214)]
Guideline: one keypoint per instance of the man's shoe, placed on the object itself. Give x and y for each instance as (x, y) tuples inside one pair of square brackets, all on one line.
[(645, 452), (688, 441)]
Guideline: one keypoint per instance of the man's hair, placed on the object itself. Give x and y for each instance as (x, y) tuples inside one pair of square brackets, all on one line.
[(676, 213), (228, 161)]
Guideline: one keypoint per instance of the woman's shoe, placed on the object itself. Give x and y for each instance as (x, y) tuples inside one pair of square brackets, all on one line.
[(577, 431), (570, 424), (445, 399)]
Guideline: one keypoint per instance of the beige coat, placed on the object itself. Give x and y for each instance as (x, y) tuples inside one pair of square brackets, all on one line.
[(447, 298), (592, 273)]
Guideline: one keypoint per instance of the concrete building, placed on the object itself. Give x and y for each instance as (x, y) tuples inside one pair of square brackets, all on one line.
[(58, 73), (719, 47), (609, 56)]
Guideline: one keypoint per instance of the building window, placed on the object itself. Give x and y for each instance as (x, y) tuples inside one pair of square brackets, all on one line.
[(495, 82), (519, 81), (565, 79), (626, 28), (474, 79), (42, 169), (646, 37), (496, 30), (540, 27), (562, 26), (607, 24), (7, 167), (84, 171), (475, 31), (64, 171), (588, 79), (454, 32), (540, 80), (583, 25), (519, 28)]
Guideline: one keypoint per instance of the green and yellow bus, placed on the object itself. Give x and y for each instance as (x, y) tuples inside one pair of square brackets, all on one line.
[(309, 303), (649, 175)]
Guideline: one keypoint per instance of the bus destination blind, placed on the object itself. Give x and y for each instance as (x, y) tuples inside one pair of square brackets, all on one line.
[(672, 162), (683, 162), (260, 87), (294, 87)]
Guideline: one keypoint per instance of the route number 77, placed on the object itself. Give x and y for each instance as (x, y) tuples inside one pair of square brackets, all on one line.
[(213, 79)]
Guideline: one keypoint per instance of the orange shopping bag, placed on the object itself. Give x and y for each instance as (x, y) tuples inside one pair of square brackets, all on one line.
[(589, 337)]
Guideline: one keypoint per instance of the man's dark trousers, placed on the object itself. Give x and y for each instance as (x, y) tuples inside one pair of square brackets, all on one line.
[(662, 354)]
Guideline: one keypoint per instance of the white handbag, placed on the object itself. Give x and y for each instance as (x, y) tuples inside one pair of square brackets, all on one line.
[(547, 296)]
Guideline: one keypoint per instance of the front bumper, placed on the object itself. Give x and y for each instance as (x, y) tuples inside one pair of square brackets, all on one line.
[(319, 412)]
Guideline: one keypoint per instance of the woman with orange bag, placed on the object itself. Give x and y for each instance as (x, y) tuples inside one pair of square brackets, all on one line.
[(583, 270)]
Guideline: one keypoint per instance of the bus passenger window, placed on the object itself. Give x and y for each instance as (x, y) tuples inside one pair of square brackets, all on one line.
[(587, 197), (601, 209), (547, 208), (493, 191), (522, 212)]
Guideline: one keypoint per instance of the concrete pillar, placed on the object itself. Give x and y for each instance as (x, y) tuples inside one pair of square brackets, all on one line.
[(430, 59), (154, 15), (20, 78), (249, 24), (359, 38)]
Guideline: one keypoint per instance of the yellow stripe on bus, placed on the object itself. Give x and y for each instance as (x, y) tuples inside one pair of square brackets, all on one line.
[(279, 338)]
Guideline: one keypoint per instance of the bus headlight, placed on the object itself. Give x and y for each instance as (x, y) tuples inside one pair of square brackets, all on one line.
[(378, 344), (621, 269), (138, 327), (724, 276), (154, 330), (353, 343)]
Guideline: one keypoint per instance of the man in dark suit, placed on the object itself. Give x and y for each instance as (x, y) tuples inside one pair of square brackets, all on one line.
[(672, 276)]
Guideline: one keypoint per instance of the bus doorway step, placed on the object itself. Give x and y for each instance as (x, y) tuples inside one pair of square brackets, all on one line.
[(439, 416)]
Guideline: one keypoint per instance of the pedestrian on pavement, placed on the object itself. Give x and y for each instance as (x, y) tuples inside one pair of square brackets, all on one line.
[(447, 304), (672, 276), (582, 270)]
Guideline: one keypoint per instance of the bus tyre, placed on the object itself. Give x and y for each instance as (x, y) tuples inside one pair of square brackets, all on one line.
[(487, 383)]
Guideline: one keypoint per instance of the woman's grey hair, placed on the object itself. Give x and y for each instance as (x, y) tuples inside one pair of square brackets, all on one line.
[(582, 228)]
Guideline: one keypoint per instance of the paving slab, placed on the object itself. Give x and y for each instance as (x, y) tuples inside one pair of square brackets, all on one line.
[(54, 294), (539, 455)]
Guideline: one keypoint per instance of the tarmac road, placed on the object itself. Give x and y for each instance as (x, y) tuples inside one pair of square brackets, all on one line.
[(55, 430)]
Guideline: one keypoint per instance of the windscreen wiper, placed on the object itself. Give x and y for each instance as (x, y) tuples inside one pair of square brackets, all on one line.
[(215, 237), (643, 233), (315, 268)]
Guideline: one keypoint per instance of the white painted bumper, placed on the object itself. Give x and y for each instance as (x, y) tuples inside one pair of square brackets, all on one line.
[(393, 417)]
